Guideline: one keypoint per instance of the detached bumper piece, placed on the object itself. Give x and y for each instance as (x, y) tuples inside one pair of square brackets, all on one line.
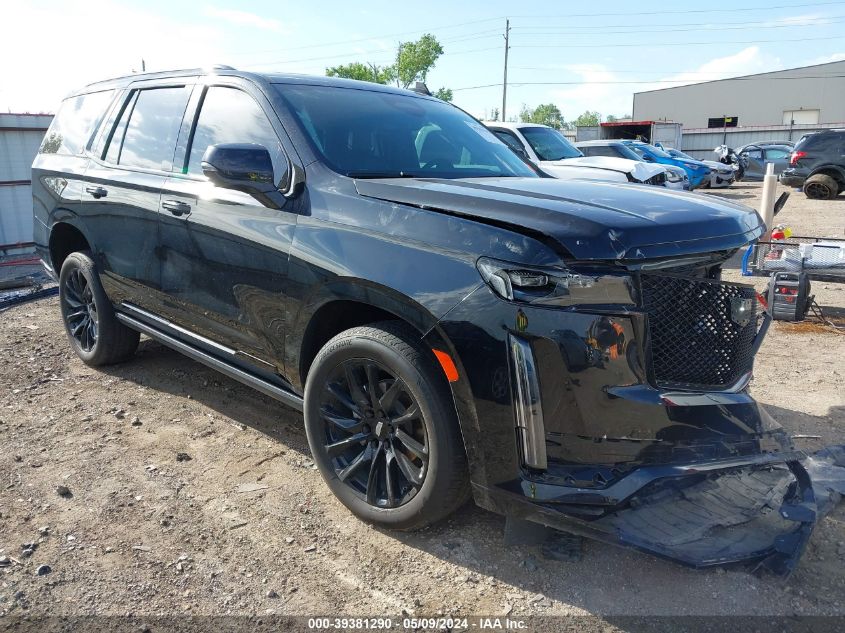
[(760, 514)]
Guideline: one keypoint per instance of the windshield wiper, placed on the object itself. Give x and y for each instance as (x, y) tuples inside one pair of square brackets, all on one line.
[(382, 174)]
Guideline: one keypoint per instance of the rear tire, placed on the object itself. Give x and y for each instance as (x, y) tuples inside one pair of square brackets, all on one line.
[(821, 187), (94, 332), (382, 427)]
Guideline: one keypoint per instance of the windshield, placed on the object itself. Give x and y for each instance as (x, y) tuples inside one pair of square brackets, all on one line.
[(642, 148), (371, 134), (549, 144), (676, 153)]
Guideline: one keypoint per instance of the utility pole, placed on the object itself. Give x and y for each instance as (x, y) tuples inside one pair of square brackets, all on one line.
[(505, 82)]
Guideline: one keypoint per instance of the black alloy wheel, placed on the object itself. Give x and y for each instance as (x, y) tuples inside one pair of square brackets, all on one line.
[(375, 433), (383, 429), (95, 333), (80, 310)]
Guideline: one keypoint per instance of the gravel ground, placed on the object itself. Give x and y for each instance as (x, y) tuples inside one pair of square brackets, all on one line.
[(185, 492)]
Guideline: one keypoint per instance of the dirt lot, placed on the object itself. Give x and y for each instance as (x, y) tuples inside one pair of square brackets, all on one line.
[(190, 493)]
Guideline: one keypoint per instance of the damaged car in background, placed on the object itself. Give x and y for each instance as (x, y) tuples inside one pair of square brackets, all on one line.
[(551, 152), (450, 323)]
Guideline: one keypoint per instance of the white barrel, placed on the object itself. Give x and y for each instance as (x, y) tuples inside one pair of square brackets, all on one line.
[(767, 200)]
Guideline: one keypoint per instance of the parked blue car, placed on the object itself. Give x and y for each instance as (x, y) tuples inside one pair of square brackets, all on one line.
[(699, 173)]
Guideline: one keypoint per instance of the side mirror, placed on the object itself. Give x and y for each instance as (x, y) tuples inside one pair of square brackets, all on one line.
[(647, 158), (244, 167)]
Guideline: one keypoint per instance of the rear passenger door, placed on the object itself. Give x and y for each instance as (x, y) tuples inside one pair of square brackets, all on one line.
[(132, 159), (224, 254)]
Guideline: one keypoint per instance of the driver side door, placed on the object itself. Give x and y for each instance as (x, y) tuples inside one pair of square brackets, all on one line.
[(224, 254)]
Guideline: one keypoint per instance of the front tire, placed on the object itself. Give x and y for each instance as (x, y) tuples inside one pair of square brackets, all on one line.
[(382, 427), (94, 332), (821, 187)]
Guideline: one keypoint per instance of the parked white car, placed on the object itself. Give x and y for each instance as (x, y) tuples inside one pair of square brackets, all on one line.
[(550, 151)]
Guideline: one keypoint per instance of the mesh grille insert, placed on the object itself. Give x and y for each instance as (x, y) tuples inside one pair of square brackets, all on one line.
[(695, 342)]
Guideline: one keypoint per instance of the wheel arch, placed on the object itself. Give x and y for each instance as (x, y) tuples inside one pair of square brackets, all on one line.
[(834, 171), (348, 305), (65, 238), (338, 306)]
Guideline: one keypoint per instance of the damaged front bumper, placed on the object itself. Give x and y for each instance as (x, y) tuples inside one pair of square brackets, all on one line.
[(760, 512), (628, 421)]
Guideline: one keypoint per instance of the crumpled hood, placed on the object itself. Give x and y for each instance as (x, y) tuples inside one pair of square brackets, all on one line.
[(589, 219), (639, 170), (717, 166)]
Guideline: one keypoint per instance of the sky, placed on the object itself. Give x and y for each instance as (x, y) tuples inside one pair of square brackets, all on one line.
[(560, 52)]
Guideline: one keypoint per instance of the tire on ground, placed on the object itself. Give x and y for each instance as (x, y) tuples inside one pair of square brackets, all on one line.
[(821, 187), (115, 342), (396, 346)]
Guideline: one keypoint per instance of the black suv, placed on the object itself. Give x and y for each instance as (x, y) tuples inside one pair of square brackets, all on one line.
[(449, 323), (817, 165)]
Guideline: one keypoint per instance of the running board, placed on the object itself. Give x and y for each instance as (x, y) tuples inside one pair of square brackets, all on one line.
[(265, 387)]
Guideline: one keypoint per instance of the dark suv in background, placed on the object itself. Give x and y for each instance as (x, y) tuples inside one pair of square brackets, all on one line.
[(817, 165), (449, 323)]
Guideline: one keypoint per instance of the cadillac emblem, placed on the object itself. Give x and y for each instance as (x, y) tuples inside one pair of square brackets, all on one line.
[(742, 310)]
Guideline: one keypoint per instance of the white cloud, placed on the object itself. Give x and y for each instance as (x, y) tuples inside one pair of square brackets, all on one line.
[(53, 51), (607, 98), (798, 20), (826, 59), (244, 18), (748, 61)]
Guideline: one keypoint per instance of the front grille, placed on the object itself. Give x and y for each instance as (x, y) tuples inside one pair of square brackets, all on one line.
[(695, 343)]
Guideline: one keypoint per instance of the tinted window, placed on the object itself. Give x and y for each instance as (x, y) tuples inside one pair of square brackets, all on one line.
[(229, 115), (754, 152), (368, 133), (821, 142), (113, 153), (676, 153), (776, 153), (150, 138), (549, 144), (76, 120), (509, 139), (599, 150)]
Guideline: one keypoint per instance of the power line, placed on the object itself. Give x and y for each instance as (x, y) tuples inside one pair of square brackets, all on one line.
[(663, 44), (671, 29), (485, 20), (374, 37), (652, 81), (603, 27), (311, 59), (681, 12)]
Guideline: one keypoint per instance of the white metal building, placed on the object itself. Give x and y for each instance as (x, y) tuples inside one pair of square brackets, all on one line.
[(20, 137), (809, 95)]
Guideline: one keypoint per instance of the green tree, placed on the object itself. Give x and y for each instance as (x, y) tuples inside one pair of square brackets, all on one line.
[(363, 72), (588, 118), (413, 62), (415, 59), (545, 114), (444, 94)]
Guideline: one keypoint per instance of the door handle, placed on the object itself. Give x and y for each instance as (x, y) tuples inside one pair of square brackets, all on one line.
[(177, 207), (97, 192)]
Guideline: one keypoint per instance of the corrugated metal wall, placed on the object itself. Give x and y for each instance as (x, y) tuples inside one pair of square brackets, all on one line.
[(20, 137), (699, 143)]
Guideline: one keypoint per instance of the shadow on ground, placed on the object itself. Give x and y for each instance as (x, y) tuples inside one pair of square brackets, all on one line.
[(606, 580)]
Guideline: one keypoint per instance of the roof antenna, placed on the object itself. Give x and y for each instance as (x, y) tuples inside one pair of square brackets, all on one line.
[(143, 65), (421, 88)]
